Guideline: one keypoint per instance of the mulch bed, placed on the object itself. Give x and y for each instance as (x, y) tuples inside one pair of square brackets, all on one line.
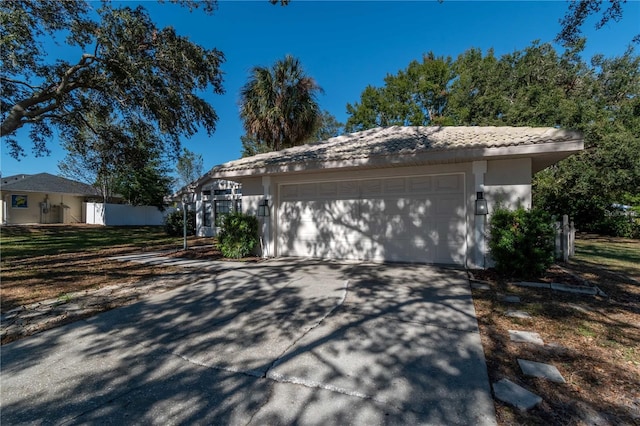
[(594, 341)]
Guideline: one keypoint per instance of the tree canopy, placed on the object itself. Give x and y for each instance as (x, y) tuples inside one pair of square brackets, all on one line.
[(415, 96), (578, 12), (119, 161), (535, 86), (278, 104), (125, 66), (189, 167)]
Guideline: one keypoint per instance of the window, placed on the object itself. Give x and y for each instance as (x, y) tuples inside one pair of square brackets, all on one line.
[(221, 191), (206, 213), (222, 208), (19, 202)]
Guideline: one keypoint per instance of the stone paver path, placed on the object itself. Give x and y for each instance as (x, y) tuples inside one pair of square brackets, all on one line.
[(518, 336), (507, 391), (539, 369), (518, 314)]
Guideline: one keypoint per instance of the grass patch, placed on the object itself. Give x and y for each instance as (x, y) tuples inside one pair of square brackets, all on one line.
[(50, 262), (620, 255), (34, 241)]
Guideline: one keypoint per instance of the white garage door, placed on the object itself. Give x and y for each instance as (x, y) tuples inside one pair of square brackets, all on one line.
[(407, 219)]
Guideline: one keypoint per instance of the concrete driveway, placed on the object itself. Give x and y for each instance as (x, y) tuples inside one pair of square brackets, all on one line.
[(280, 342)]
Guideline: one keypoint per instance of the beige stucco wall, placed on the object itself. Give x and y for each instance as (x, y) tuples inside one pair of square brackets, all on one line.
[(506, 181), (63, 208)]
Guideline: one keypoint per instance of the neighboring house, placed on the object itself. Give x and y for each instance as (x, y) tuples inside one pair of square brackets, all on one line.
[(211, 200), (405, 194), (42, 198)]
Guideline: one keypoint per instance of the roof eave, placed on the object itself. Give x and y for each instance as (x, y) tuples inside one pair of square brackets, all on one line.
[(543, 155)]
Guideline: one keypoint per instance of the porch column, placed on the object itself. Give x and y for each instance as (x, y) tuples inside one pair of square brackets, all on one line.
[(479, 236)]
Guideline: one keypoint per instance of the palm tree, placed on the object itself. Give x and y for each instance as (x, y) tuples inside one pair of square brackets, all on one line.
[(278, 105)]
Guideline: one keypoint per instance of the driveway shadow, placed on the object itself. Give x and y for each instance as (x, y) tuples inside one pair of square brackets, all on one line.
[(281, 342)]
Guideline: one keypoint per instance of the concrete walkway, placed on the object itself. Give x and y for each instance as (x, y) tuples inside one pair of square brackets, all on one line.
[(295, 342)]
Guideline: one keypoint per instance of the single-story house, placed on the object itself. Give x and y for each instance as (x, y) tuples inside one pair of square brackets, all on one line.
[(42, 198), (400, 194), (211, 199)]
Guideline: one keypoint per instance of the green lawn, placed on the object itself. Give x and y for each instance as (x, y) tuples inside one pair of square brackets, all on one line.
[(620, 255), (23, 241)]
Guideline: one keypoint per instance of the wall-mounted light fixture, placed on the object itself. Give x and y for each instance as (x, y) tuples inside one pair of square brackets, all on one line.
[(481, 205), (263, 208)]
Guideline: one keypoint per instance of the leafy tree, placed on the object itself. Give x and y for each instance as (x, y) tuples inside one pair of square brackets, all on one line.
[(126, 65), (580, 10), (329, 127), (537, 86), (147, 186), (189, 167), (608, 171), (416, 96), (251, 147), (278, 105), (96, 158), (118, 160)]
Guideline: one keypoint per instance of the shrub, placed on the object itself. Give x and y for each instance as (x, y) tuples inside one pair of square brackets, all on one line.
[(619, 226), (238, 236), (173, 224), (521, 241)]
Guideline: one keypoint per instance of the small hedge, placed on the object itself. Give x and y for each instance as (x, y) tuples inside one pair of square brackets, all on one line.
[(173, 223), (522, 241), (238, 236)]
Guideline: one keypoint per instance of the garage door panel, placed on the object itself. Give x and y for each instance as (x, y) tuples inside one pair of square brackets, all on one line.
[(411, 219)]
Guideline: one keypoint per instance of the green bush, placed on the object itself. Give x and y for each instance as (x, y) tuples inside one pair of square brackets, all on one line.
[(173, 223), (522, 242), (619, 226), (238, 236)]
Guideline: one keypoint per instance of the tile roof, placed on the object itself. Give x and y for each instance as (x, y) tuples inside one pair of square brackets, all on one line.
[(46, 183), (399, 141)]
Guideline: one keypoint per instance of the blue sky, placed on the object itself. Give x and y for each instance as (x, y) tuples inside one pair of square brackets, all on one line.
[(345, 46)]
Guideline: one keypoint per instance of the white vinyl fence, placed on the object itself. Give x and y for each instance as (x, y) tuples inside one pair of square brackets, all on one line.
[(565, 239), (122, 215)]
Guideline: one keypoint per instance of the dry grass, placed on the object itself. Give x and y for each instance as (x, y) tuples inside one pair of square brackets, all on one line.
[(593, 341), (45, 262)]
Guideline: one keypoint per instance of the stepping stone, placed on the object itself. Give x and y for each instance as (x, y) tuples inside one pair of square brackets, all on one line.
[(518, 314), (510, 298), (507, 391), (525, 337), (539, 369), (574, 289), (533, 285), (480, 286)]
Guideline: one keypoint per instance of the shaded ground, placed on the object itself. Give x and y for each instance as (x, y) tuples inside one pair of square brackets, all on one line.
[(283, 342), (593, 341), (43, 262)]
